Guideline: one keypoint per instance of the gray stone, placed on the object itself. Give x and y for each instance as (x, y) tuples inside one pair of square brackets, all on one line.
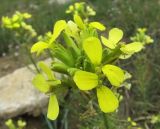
[(58, 1), (18, 95)]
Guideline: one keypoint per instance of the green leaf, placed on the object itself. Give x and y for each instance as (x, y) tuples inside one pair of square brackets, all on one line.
[(85, 80), (53, 107), (64, 55), (108, 102), (97, 25), (40, 83), (114, 74), (132, 48), (39, 47), (58, 28), (93, 48), (70, 43), (78, 20), (46, 70)]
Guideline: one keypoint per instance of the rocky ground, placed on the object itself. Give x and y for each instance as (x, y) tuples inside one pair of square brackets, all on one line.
[(18, 96)]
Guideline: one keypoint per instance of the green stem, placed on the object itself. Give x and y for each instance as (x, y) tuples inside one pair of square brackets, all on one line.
[(31, 59), (49, 124), (112, 56), (105, 120)]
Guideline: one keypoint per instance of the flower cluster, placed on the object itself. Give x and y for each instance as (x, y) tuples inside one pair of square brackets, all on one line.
[(141, 36), (11, 125), (85, 57), (17, 21), (81, 9)]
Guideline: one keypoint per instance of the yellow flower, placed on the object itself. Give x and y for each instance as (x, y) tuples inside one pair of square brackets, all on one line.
[(115, 35), (93, 49), (106, 98), (131, 48), (40, 46), (87, 80), (44, 86)]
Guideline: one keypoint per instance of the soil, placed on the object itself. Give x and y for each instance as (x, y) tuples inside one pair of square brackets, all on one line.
[(8, 64), (15, 60)]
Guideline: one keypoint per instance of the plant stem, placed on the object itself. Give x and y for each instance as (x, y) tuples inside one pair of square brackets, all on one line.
[(105, 120), (50, 126), (31, 59), (112, 56)]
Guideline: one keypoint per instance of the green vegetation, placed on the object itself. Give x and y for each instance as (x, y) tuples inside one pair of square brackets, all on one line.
[(139, 97), (11, 125), (41, 21), (89, 72)]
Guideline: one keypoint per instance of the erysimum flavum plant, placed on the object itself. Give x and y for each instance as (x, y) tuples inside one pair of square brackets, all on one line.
[(85, 61), (141, 36), (82, 9), (17, 23), (21, 32), (11, 125)]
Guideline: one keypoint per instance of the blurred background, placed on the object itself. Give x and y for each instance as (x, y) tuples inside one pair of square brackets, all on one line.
[(141, 104)]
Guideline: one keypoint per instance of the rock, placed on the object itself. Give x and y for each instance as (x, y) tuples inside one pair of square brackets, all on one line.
[(18, 95), (58, 1)]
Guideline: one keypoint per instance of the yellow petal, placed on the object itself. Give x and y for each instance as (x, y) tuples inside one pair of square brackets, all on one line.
[(108, 102), (93, 48), (85, 80), (78, 20), (114, 74), (39, 47), (53, 107), (58, 28), (124, 56), (46, 70), (97, 25), (132, 48), (115, 35), (71, 28), (40, 83), (108, 43)]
